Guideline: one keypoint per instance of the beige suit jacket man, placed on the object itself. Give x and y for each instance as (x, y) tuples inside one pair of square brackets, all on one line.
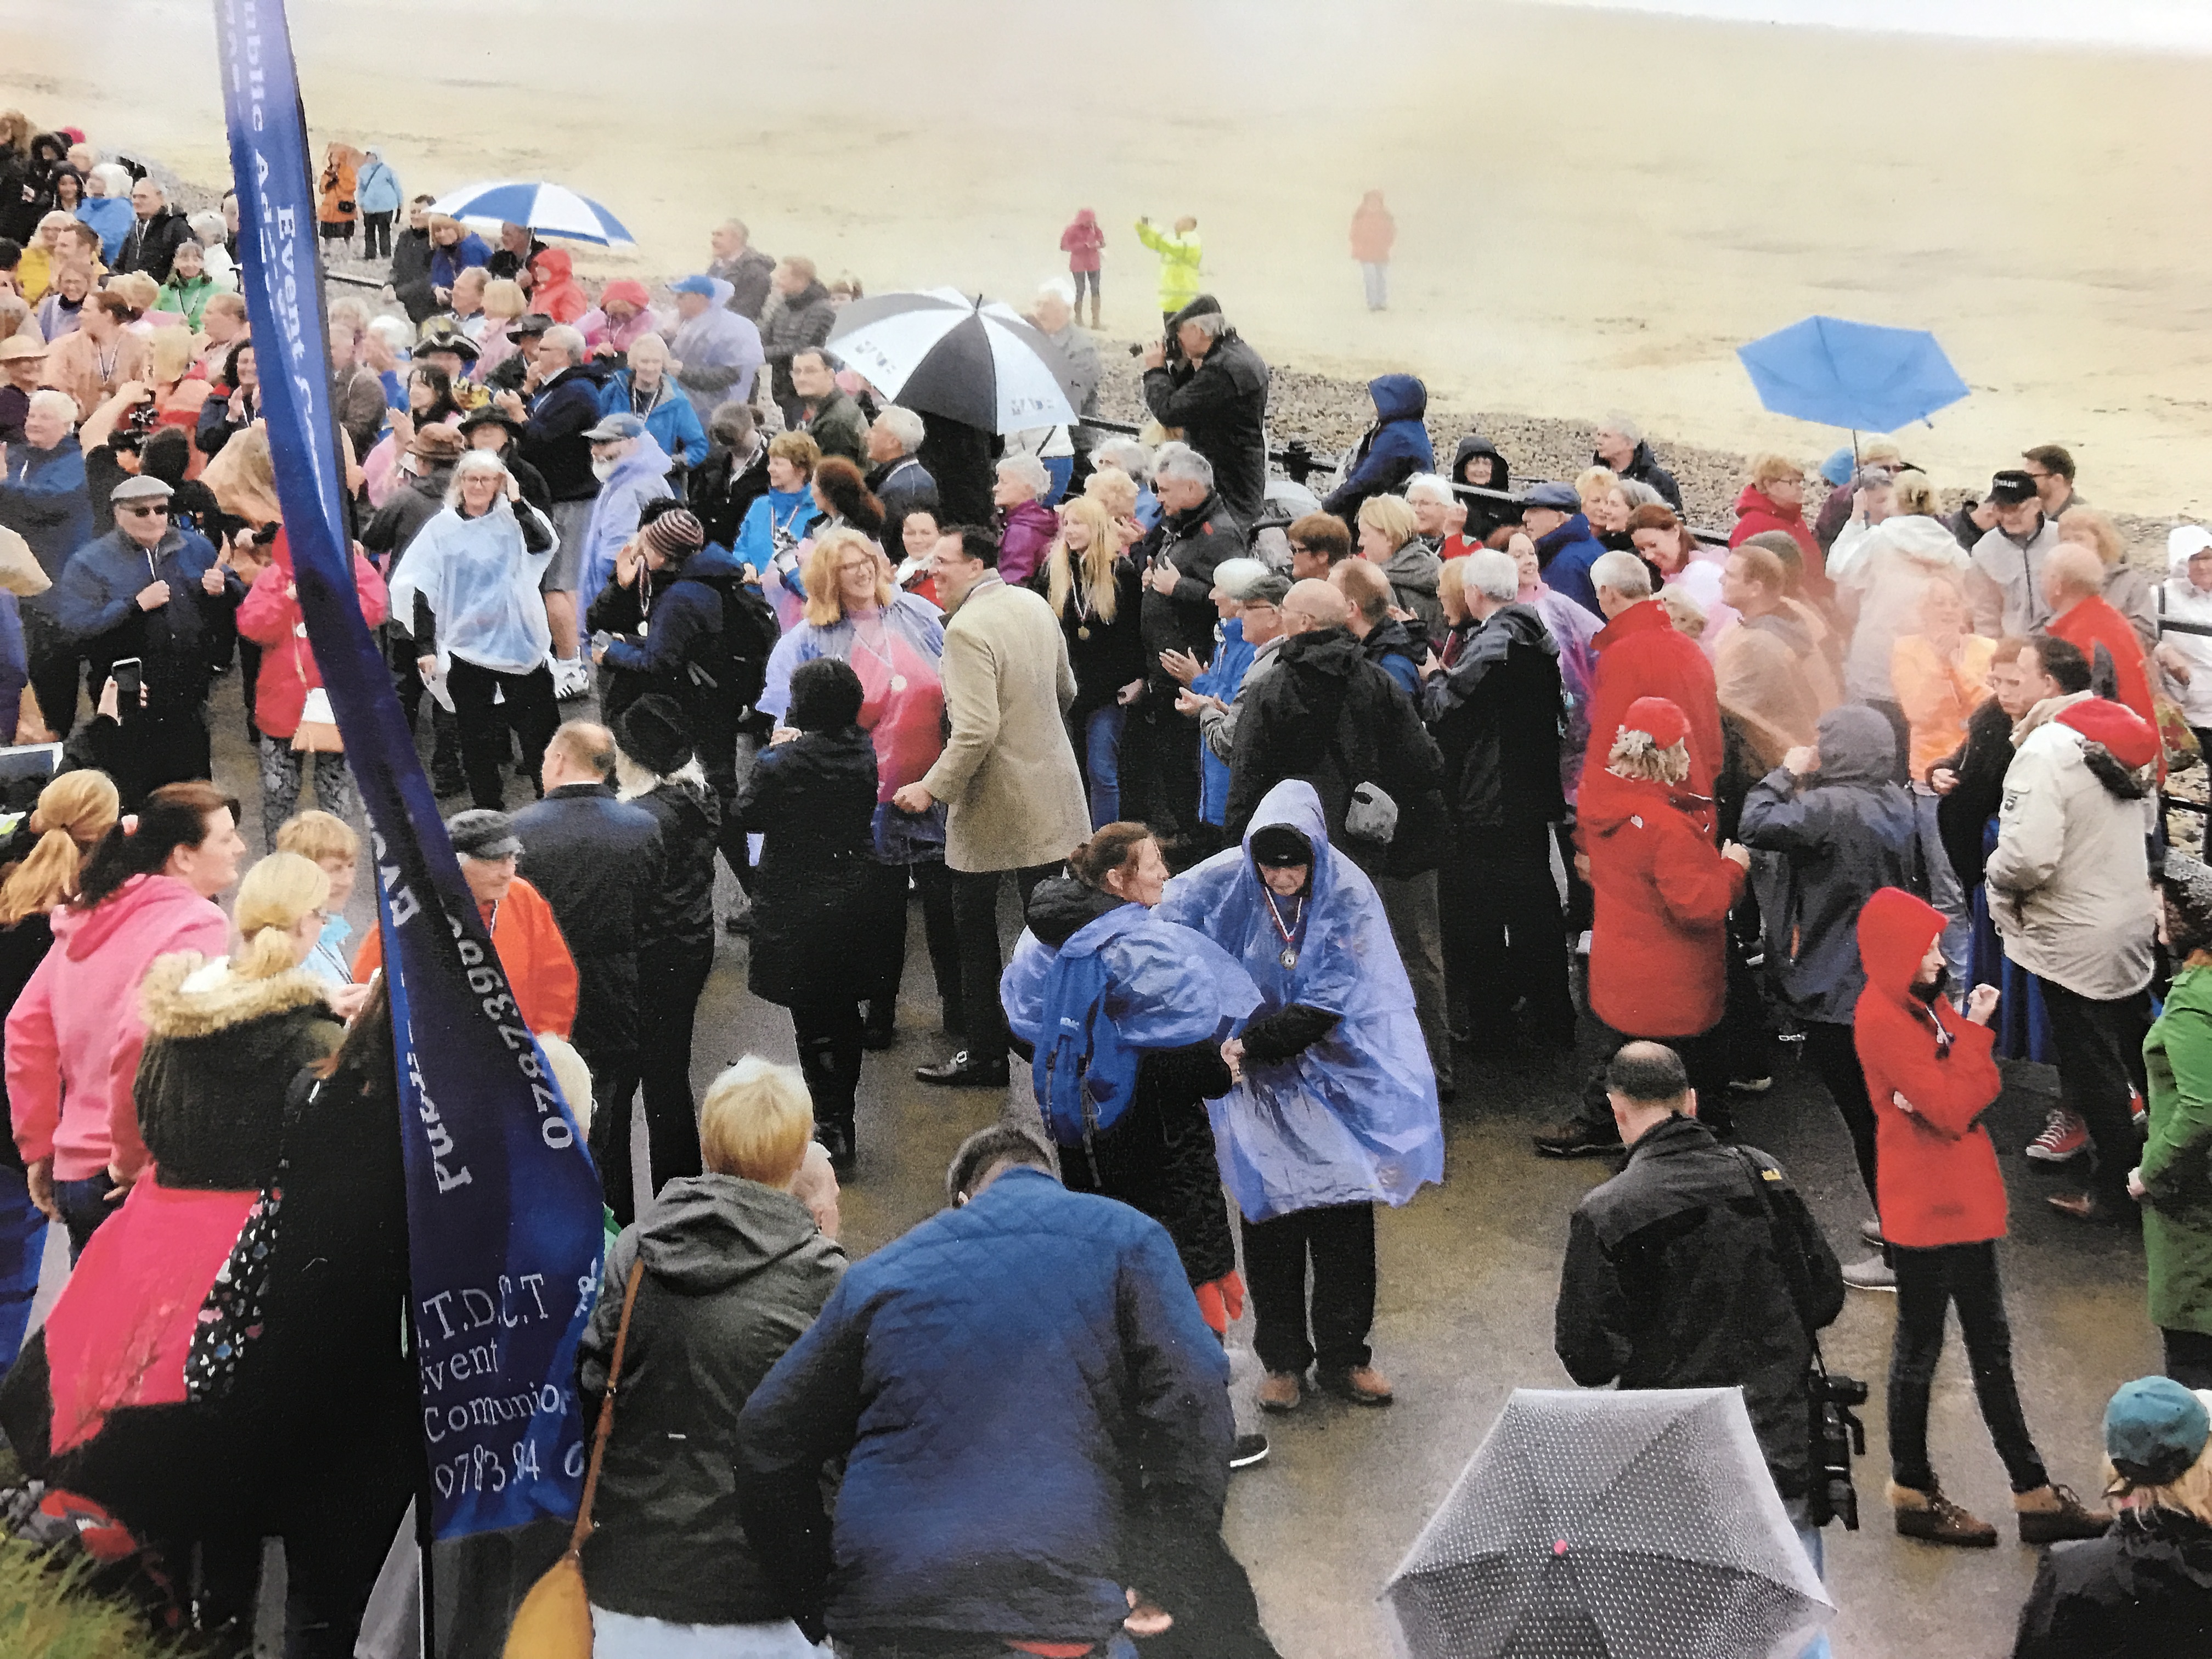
[(1008, 773)]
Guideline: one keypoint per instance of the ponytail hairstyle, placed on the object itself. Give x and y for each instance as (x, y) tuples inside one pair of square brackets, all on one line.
[(1097, 570), (1112, 847), (175, 815), (74, 812), (276, 893)]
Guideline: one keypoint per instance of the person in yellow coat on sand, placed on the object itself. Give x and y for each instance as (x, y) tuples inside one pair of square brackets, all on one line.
[(1179, 252)]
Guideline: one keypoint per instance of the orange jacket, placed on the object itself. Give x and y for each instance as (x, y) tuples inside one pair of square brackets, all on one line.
[(535, 957), (1938, 697)]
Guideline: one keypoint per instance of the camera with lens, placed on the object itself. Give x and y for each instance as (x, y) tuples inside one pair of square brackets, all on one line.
[(1838, 1436)]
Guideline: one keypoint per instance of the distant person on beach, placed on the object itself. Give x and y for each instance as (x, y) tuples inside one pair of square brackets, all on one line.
[(747, 270), (1179, 251), (338, 208), (410, 279), (378, 195), (1373, 232), (1081, 241)]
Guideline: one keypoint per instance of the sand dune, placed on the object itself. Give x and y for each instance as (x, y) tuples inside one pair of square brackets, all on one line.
[(1593, 207)]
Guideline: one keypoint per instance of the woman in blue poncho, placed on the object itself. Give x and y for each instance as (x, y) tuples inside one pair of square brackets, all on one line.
[(1335, 1102)]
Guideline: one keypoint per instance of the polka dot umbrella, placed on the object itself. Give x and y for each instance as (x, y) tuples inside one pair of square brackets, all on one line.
[(1637, 1524)]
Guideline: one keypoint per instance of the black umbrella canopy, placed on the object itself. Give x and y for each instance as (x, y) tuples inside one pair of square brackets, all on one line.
[(970, 360), (1631, 1525)]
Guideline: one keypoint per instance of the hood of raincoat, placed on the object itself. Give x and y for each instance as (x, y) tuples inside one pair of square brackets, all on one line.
[(1895, 930), (1086, 218), (708, 1232), (147, 902), (1475, 444), (1167, 984), (1922, 541), (1398, 397), (1857, 745), (1755, 499), (1059, 907), (2183, 543)]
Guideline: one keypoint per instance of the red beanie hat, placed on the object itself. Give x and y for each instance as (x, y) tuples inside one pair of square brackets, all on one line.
[(1666, 723), (2125, 735)]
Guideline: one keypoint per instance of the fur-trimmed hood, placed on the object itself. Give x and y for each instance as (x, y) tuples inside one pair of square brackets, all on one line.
[(189, 995)]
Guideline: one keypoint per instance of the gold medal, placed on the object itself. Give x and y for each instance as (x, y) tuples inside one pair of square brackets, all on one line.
[(1083, 633)]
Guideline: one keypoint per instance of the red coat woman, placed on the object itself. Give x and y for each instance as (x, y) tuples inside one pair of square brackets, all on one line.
[(1775, 500), (1658, 936)]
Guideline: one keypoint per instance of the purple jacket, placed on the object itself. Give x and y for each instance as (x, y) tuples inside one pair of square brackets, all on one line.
[(1027, 532)]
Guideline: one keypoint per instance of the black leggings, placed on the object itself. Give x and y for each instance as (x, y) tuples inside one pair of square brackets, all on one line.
[(1928, 1283), (2188, 1357), (934, 882), (669, 981), (1834, 1058), (1082, 277), (376, 235), (829, 1033)]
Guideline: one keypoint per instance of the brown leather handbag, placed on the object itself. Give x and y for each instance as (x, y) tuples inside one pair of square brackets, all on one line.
[(555, 1620)]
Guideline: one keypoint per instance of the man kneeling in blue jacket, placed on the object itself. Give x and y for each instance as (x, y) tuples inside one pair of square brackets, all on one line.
[(1035, 1423)]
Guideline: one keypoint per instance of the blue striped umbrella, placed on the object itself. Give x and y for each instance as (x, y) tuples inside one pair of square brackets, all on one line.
[(548, 210)]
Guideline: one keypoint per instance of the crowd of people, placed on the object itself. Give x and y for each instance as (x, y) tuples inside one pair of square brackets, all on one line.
[(1307, 799)]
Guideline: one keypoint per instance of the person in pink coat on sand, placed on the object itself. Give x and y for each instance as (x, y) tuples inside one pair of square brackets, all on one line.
[(1081, 242), (75, 1034)]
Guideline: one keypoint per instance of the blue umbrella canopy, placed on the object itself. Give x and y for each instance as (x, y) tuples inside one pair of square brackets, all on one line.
[(1860, 375), (548, 210)]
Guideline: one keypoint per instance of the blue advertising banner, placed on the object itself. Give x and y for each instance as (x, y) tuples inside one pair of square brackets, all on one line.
[(503, 1215)]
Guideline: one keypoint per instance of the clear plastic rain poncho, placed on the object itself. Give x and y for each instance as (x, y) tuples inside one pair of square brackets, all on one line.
[(1352, 1119), (482, 584)]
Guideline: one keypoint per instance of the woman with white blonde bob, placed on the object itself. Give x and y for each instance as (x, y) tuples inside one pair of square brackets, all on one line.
[(732, 1268)]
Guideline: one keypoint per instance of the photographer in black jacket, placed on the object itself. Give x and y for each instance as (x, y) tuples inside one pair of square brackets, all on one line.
[(1699, 1266)]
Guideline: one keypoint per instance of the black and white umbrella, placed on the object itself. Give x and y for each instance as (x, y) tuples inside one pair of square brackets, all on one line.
[(942, 352)]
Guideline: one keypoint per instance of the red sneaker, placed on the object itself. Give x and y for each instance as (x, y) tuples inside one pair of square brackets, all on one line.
[(2064, 1138)]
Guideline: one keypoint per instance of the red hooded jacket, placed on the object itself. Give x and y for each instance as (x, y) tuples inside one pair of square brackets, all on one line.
[(1081, 242), (553, 290), (270, 617), (1937, 1176), (1658, 935), (1756, 512), (1641, 653)]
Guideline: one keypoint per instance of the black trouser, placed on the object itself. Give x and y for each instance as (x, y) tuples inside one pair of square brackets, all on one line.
[(2100, 1058), (52, 658), (376, 235), (1834, 1059), (714, 738), (2188, 1357), (669, 979), (1504, 937), (829, 1033), (445, 729), (939, 931), (975, 925), (1928, 1283), (1159, 779), (1705, 1057), (1340, 1240), (613, 1103), (1753, 1047), (529, 709)]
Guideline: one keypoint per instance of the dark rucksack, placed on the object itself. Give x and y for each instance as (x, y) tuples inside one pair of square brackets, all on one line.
[(735, 666)]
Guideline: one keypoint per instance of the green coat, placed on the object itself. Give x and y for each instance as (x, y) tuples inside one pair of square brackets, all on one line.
[(2177, 1163)]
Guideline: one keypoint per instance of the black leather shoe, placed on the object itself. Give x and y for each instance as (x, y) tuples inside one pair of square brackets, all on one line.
[(959, 1072)]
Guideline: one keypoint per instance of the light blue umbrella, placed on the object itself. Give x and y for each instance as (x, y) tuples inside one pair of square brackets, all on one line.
[(1859, 375), (548, 210)]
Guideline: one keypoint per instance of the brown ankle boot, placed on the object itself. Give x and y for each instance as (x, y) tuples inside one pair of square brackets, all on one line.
[(1935, 1519), (2050, 1514)]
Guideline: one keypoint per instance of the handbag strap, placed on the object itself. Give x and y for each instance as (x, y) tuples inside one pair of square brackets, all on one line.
[(583, 1526)]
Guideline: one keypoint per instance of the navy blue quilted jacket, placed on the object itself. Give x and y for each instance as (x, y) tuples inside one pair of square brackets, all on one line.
[(1031, 1410)]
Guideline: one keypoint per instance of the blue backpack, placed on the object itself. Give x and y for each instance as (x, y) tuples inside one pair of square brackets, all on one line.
[(1085, 1076)]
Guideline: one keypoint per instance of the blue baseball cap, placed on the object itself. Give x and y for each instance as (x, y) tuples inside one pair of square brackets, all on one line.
[(2155, 1431), (700, 285)]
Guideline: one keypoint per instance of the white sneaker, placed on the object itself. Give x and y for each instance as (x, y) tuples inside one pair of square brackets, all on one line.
[(1871, 1274), (571, 678)]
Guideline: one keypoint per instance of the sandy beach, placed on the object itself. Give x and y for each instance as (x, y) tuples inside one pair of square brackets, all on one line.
[(1593, 207)]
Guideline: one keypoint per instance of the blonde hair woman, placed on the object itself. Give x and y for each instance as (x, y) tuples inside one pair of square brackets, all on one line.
[(668, 1549), (895, 643), (1774, 499), (504, 302), (1097, 592), (1389, 536)]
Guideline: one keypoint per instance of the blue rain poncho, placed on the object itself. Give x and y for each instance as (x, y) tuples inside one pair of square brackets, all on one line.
[(482, 585), (1121, 984), (1351, 1119)]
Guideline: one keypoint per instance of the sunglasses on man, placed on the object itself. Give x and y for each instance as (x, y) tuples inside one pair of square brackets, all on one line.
[(155, 511)]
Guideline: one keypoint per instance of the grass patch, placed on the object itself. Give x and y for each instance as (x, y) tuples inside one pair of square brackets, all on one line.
[(52, 1615)]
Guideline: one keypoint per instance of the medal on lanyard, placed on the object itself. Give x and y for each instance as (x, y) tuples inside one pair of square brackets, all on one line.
[(1289, 958)]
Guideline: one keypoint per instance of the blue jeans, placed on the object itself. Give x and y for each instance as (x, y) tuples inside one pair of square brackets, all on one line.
[(1102, 760), (22, 1250), (1810, 1538), (84, 1206), (1060, 468)]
